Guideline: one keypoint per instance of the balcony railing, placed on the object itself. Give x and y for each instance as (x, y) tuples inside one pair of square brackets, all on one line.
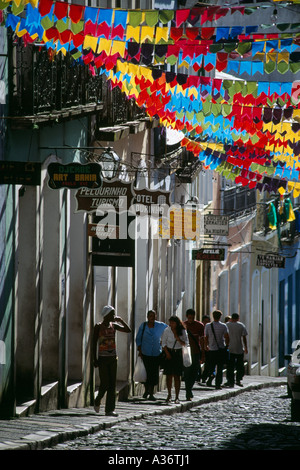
[(46, 86), (189, 167), (124, 110), (237, 201), (42, 84)]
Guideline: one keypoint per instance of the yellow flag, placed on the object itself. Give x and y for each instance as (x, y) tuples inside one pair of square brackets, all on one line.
[(132, 69), (90, 42), (147, 32), (122, 67), (147, 73), (296, 116), (133, 33), (118, 47), (161, 34), (283, 57), (296, 191), (104, 45), (17, 2)]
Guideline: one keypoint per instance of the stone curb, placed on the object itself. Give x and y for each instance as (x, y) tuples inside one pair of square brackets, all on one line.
[(46, 430)]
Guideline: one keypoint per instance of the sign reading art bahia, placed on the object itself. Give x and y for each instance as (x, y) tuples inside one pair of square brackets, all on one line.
[(23, 173), (74, 175), (270, 261)]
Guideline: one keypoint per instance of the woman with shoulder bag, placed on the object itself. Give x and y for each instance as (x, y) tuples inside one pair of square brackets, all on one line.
[(173, 339)]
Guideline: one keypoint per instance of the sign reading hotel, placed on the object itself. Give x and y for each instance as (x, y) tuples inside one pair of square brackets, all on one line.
[(74, 175), (150, 201)]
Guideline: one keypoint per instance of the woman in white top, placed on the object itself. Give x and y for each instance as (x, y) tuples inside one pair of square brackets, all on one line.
[(173, 338)]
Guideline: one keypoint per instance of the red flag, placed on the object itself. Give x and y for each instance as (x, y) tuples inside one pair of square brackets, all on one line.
[(181, 16), (45, 7), (76, 12), (61, 10)]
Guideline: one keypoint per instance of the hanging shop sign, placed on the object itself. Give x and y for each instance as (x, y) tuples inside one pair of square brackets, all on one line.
[(121, 196), (216, 224), (22, 173), (74, 175), (115, 193), (270, 261), (209, 254), (181, 224), (150, 201), (102, 231), (109, 248)]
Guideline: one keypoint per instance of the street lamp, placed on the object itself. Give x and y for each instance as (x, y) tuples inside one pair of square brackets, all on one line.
[(109, 162), (142, 175)]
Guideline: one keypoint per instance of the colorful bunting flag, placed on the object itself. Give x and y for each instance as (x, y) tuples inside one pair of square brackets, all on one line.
[(252, 127)]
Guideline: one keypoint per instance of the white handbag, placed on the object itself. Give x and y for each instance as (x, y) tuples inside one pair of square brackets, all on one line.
[(186, 356), (140, 374)]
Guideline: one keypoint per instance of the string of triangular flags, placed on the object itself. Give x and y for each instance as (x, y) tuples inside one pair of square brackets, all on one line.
[(248, 131), (137, 36), (241, 159)]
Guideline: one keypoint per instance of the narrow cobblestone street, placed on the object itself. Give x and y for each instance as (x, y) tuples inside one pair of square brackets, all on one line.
[(255, 420)]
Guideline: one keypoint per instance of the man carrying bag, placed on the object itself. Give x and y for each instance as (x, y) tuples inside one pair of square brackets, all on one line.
[(195, 330), (216, 340)]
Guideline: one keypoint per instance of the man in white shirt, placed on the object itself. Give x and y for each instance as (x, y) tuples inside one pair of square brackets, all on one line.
[(237, 348), (216, 340)]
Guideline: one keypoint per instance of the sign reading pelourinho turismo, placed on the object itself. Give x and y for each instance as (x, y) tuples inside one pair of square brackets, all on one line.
[(120, 196), (113, 194)]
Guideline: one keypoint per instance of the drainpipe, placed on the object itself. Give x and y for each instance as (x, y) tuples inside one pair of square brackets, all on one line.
[(133, 328)]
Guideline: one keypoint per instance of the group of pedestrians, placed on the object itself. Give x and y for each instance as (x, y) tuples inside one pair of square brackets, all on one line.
[(225, 345), (211, 343)]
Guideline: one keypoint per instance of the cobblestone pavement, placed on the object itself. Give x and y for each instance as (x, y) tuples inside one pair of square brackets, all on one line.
[(254, 420), (50, 428)]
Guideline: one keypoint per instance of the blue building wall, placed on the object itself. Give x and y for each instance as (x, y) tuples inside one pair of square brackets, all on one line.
[(289, 301)]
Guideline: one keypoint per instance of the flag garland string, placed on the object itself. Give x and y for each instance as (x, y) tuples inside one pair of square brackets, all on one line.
[(248, 131), (257, 161), (89, 38), (91, 34), (206, 105)]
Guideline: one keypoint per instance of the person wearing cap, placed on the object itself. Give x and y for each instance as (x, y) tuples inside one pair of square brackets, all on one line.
[(105, 338)]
